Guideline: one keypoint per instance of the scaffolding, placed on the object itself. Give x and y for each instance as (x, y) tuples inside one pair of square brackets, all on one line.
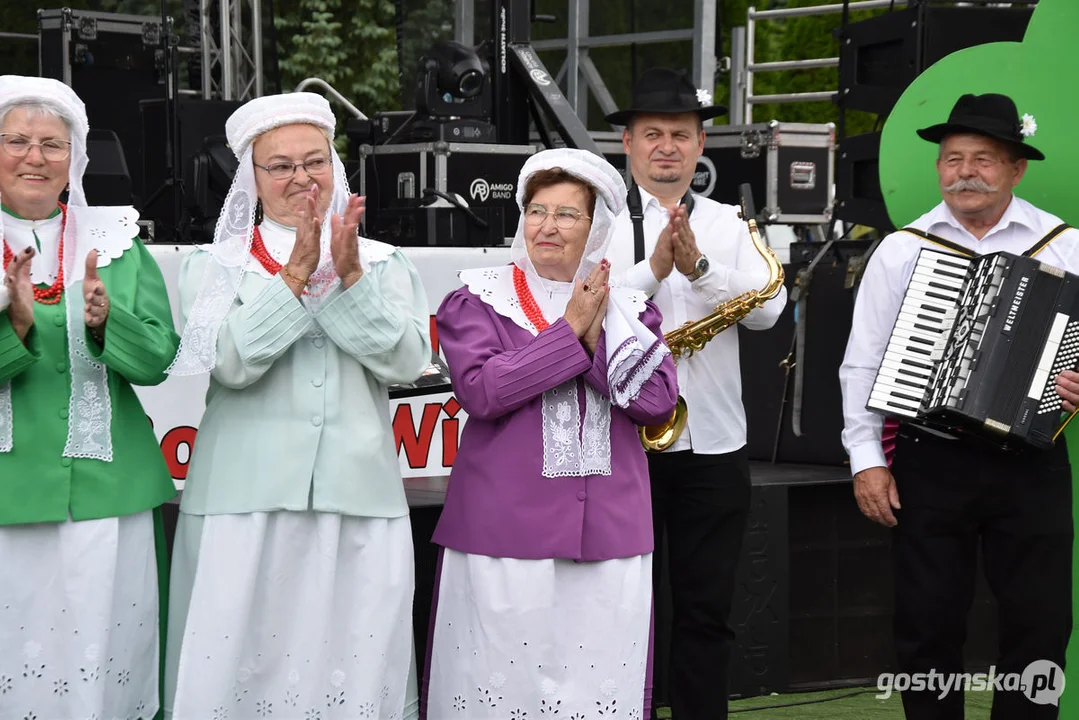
[(231, 49), (580, 74), (744, 65)]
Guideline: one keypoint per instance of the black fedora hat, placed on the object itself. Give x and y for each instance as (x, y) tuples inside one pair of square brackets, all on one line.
[(660, 91), (991, 115)]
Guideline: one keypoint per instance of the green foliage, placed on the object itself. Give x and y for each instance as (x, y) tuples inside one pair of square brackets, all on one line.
[(348, 43)]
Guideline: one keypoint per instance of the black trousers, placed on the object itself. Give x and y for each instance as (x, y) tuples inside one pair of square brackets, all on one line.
[(956, 494), (701, 504)]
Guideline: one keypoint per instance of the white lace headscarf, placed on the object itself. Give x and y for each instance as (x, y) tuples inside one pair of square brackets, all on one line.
[(235, 226), (633, 352), (89, 407)]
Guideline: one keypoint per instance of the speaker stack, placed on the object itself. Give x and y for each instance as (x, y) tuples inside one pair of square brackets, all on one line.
[(881, 56)]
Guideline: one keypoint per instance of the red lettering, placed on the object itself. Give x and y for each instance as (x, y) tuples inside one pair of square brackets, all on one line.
[(417, 444), (450, 432), (434, 334), (170, 447)]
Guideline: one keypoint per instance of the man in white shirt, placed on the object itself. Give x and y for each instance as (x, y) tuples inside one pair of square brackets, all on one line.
[(946, 494), (692, 254)]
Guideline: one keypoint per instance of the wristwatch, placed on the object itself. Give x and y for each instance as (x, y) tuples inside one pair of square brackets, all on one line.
[(699, 269)]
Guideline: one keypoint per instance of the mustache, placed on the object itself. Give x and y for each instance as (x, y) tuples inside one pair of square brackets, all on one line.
[(973, 184)]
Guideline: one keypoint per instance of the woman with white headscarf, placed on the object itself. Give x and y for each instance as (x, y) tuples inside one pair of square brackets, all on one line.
[(544, 585), (292, 574), (83, 316)]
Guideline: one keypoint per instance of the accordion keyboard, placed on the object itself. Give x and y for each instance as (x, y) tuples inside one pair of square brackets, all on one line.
[(922, 327)]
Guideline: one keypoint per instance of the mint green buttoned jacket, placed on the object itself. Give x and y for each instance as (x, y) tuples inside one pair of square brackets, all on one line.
[(297, 410), (38, 484)]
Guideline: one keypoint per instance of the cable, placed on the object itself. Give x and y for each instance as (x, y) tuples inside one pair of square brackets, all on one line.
[(807, 702), (456, 202)]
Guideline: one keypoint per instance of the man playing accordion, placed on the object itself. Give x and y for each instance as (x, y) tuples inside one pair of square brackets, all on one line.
[(946, 493)]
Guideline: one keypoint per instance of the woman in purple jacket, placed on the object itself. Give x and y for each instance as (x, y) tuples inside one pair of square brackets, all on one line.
[(544, 590)]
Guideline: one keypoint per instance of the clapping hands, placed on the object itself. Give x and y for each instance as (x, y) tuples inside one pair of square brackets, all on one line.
[(344, 242), (17, 282), (588, 305), (96, 310)]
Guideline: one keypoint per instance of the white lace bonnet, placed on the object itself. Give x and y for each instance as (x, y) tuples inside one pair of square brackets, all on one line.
[(235, 226)]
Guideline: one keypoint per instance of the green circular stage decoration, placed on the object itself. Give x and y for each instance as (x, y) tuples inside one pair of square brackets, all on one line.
[(1041, 74)]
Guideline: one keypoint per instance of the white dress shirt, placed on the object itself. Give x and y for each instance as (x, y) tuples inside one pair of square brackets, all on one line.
[(881, 295), (710, 381)]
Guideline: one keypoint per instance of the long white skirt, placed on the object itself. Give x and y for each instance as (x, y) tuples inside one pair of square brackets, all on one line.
[(79, 620), (530, 639), (295, 615)]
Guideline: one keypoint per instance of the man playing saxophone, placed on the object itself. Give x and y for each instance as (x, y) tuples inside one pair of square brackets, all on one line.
[(690, 254)]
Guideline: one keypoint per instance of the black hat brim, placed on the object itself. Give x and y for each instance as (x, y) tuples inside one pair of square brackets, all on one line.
[(937, 133), (622, 117)]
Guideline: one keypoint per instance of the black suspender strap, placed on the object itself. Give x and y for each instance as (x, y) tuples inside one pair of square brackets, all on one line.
[(966, 252), (636, 216), (937, 240), (1040, 245)]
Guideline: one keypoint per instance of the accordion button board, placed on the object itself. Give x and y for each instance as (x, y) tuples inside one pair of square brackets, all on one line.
[(977, 346)]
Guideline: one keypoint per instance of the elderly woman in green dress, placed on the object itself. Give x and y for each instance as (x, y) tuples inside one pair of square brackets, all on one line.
[(84, 317)]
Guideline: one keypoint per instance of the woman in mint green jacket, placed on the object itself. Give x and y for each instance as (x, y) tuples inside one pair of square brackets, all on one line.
[(83, 316), (292, 573)]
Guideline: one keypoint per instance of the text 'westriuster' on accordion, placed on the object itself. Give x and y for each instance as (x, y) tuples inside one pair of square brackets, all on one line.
[(977, 347)]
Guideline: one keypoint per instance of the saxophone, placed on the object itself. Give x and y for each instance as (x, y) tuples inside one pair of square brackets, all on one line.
[(694, 335)]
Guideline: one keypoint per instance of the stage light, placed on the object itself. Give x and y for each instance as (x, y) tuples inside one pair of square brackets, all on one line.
[(454, 82)]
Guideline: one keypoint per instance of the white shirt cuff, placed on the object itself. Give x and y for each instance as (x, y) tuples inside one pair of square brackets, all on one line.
[(640, 277), (866, 456)]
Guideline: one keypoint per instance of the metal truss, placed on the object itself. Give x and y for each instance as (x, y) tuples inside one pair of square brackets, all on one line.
[(231, 49), (579, 72)]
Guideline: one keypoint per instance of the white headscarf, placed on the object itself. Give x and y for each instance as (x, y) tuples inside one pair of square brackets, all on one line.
[(235, 226), (89, 408), (633, 351)]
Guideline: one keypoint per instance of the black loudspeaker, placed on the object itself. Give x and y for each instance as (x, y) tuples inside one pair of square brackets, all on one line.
[(107, 180), (195, 121), (881, 56), (857, 179), (878, 59)]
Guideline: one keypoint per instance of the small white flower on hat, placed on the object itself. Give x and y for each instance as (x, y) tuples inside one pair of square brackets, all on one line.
[(1028, 127), (704, 97)]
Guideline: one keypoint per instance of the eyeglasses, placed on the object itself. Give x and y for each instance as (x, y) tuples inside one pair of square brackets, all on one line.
[(565, 218), (285, 170), (19, 146)]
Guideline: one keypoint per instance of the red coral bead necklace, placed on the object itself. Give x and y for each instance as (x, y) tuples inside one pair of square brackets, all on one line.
[(528, 301)]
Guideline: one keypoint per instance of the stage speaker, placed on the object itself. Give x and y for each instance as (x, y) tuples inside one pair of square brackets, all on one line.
[(768, 393), (112, 62), (857, 180), (881, 56), (196, 120), (106, 180)]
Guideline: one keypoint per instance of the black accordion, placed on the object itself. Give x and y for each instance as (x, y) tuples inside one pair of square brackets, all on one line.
[(977, 347)]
